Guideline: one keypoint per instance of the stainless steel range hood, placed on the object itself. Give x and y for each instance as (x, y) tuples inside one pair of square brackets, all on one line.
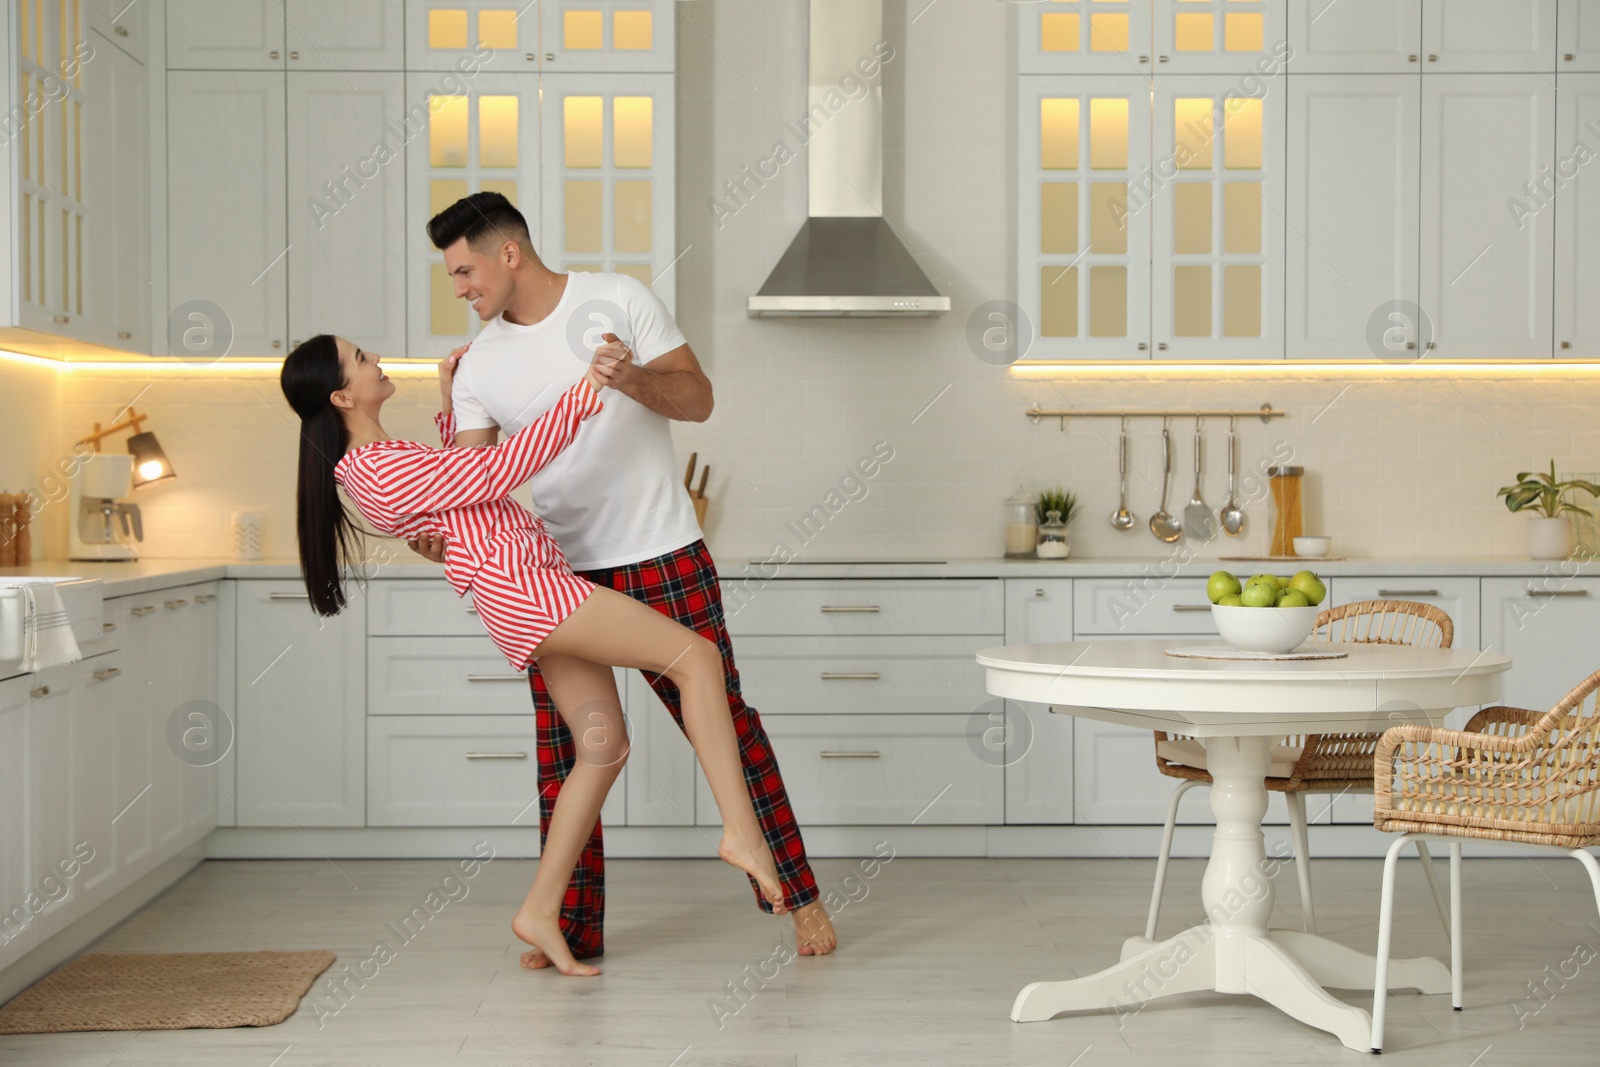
[(846, 260)]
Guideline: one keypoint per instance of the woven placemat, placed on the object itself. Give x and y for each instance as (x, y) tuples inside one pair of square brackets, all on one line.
[(165, 991), (1229, 652)]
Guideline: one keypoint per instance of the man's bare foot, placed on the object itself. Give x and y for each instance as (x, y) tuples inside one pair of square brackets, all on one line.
[(550, 948), (756, 861), (813, 930)]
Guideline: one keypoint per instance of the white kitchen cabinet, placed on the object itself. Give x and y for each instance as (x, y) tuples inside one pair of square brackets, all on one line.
[(459, 770), (441, 676), (54, 785), (135, 760), (226, 210), (351, 35), (1034, 745), (301, 709), (662, 770), (1487, 280), (1219, 36), (1355, 36), (1482, 36), (1084, 37), (1547, 626), (608, 35), (125, 23), (1577, 215), (102, 681), (117, 260), (607, 172), (347, 209), (484, 138), (1218, 252), (236, 35), (206, 724), (1354, 192), (17, 872), (1083, 245), (1578, 36), (471, 35)]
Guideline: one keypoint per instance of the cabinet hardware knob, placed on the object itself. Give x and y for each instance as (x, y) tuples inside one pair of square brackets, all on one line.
[(1038, 593), (1143, 346), (122, 31), (497, 755), (1567, 57), (60, 318), (108, 626), (1566, 344), (141, 612), (1161, 59), (277, 344), (1548, 594), (497, 677), (106, 672), (1431, 346), (1144, 59), (288, 596), (124, 335), (851, 676), (204, 598), (272, 54), (1433, 59), (1411, 59), (1191, 607), (531, 56), (174, 604), (294, 55), (1411, 344), (835, 609), (549, 57), (294, 344), (849, 755), (42, 691), (1161, 346), (472, 610), (1408, 592)]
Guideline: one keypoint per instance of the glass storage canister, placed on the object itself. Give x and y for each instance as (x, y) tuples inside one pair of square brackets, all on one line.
[(1287, 495), (1022, 525), (1053, 537)]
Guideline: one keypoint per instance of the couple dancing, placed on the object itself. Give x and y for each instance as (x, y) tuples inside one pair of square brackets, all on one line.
[(591, 436)]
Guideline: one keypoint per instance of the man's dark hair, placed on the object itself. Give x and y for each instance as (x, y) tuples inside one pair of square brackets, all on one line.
[(480, 218)]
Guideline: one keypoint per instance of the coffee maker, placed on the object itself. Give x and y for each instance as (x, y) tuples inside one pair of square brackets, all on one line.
[(104, 526)]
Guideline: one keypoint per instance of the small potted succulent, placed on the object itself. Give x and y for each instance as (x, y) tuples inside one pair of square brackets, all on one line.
[(1549, 531), (1056, 508)]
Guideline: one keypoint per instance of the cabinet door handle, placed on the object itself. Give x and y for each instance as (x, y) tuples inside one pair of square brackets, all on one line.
[(1547, 594), (204, 598), (473, 610), (272, 55), (497, 677), (108, 626), (849, 755), (106, 672), (1191, 607), (122, 31), (124, 335), (851, 676), (497, 755), (1433, 58), (1411, 59), (1408, 592), (173, 604), (836, 609), (141, 611), (61, 318), (42, 691), (288, 596), (1039, 593)]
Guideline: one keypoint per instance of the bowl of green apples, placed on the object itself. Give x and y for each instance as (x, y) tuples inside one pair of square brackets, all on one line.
[(1266, 613)]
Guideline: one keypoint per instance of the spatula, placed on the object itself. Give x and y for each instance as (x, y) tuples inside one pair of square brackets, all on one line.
[(1198, 524)]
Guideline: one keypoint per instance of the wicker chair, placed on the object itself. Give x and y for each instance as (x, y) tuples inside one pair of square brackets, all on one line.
[(1318, 763), (1521, 777)]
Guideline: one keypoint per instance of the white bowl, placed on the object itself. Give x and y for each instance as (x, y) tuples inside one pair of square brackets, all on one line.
[(1264, 629), (1312, 547)]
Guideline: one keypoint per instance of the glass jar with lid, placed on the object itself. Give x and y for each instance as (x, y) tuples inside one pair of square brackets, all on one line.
[(1022, 525), (1052, 543), (1289, 497)]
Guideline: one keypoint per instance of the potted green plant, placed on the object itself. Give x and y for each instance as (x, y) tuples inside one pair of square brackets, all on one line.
[(1549, 531), (1056, 508)]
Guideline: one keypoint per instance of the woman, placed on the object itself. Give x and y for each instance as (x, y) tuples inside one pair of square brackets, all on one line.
[(532, 604)]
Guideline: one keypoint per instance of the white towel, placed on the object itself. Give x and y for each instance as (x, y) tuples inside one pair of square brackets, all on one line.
[(47, 639)]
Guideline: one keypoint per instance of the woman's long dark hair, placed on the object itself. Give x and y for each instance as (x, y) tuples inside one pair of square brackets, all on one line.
[(329, 537)]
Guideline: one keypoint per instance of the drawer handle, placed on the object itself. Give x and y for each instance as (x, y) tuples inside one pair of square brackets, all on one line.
[(141, 612), (849, 755), (288, 596), (108, 626), (472, 610), (106, 672), (171, 604), (1191, 607), (204, 598), (851, 676), (835, 609), (42, 691), (497, 755), (1545, 594), (1408, 592), (497, 677)]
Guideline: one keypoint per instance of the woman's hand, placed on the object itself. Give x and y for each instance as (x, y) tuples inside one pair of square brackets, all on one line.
[(447, 376), (613, 363), (428, 546)]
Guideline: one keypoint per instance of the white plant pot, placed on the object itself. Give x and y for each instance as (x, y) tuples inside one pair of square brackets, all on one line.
[(1550, 538)]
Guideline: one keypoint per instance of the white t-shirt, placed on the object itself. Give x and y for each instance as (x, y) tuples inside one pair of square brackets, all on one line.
[(615, 495)]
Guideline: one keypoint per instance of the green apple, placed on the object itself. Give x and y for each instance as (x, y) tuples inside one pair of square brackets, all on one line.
[(1221, 584), (1231, 601), (1265, 579), (1310, 586), (1293, 598), (1282, 580), (1259, 595)]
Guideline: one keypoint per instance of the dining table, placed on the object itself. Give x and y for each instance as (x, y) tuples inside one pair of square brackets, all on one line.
[(1239, 708)]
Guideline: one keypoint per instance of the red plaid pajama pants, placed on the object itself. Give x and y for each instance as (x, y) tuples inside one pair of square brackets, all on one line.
[(682, 585)]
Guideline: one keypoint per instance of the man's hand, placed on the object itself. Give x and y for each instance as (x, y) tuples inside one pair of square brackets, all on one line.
[(447, 377), (613, 363), (429, 546)]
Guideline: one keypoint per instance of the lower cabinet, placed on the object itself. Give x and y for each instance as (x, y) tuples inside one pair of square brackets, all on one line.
[(452, 770), (1548, 627), (1033, 745)]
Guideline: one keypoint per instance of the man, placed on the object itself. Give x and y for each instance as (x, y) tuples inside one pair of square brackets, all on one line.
[(612, 500)]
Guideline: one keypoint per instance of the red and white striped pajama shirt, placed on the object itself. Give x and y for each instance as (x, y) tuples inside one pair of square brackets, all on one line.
[(520, 582)]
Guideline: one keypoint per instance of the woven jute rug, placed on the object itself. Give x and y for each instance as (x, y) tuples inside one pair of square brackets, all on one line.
[(165, 991)]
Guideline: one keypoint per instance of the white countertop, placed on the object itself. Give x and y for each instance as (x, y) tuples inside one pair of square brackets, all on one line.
[(147, 575)]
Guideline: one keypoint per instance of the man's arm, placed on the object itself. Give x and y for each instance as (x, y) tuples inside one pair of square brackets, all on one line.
[(672, 384), (477, 438)]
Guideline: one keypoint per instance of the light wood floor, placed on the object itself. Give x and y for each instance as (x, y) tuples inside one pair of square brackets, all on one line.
[(933, 951)]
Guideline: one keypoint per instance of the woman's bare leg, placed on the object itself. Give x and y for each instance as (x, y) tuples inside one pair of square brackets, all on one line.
[(612, 628), (585, 695)]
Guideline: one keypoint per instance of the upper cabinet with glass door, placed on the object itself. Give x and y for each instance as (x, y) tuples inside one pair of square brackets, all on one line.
[(1355, 36), (467, 36), (1485, 36), (581, 36), (1220, 36), (1085, 37)]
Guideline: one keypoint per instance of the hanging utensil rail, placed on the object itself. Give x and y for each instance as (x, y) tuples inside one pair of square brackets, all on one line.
[(1266, 413)]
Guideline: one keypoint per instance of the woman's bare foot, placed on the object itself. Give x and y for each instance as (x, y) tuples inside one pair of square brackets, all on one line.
[(756, 861), (813, 930), (550, 948)]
